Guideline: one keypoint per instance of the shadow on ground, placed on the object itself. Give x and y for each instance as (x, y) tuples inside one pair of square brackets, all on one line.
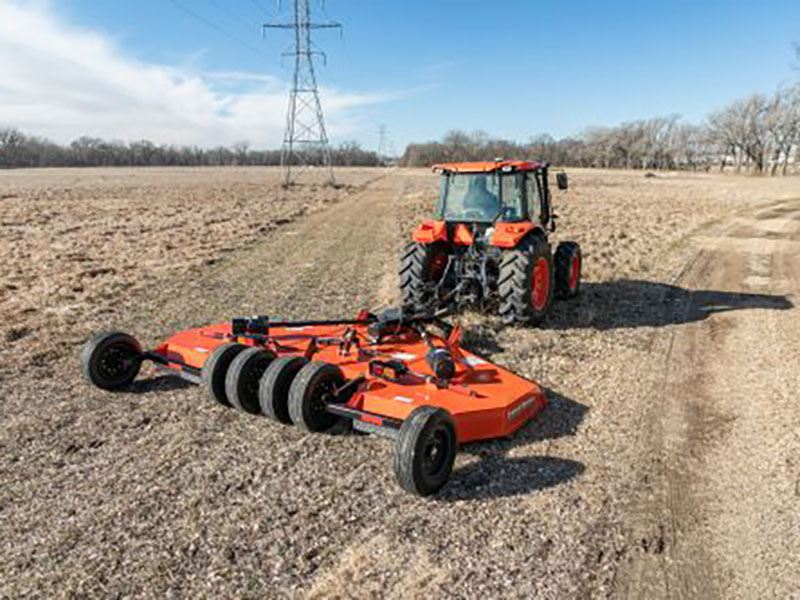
[(636, 303), (496, 475), (158, 383)]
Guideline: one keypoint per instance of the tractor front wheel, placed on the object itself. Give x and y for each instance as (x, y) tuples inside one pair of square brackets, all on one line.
[(568, 263), (425, 450), (525, 284)]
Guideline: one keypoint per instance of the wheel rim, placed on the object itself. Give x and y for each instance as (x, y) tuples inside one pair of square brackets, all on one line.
[(434, 454), (319, 401), (540, 283), (251, 381), (116, 362), (574, 272)]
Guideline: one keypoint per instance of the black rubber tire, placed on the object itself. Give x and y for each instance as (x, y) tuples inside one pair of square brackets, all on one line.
[(273, 390), (514, 283), (243, 378), (310, 392), (111, 360), (216, 368), (565, 253), (416, 263), (425, 450)]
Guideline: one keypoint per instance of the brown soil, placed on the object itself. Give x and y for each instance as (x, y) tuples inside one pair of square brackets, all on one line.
[(667, 464)]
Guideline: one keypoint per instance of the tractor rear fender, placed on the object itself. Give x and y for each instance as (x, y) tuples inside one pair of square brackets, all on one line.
[(508, 235), (430, 231)]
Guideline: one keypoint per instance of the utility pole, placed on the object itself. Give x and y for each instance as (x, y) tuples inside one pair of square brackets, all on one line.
[(305, 140)]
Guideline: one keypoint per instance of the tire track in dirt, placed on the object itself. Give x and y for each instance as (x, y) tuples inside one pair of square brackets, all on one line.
[(341, 247), (725, 444)]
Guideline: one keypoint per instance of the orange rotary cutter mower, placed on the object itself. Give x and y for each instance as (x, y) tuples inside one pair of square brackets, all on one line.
[(403, 377)]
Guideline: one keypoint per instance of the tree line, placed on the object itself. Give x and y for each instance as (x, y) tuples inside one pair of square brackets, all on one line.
[(758, 134), (18, 150)]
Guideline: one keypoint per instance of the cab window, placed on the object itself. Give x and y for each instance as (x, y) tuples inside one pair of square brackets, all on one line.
[(534, 198), (469, 197), (513, 199)]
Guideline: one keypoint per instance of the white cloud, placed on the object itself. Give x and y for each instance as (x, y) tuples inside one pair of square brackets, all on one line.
[(61, 82)]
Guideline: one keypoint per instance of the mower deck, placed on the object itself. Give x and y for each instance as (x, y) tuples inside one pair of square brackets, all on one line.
[(387, 374), (485, 401)]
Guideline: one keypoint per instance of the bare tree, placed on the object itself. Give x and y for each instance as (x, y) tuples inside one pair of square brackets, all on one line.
[(19, 150), (11, 142), (782, 121)]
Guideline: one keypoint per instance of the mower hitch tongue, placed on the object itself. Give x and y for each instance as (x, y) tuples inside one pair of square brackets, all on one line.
[(387, 374)]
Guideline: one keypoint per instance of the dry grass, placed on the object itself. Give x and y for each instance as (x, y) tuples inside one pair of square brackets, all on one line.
[(76, 244)]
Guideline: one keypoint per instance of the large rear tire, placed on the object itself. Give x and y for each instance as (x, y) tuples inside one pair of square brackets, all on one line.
[(568, 264), (525, 284), (425, 450), (421, 267)]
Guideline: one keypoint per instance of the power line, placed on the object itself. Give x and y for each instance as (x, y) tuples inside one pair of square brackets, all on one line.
[(305, 141), (231, 15), (261, 9), (217, 28)]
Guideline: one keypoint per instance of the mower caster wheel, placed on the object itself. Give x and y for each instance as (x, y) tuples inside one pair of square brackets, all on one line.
[(111, 360), (568, 262), (425, 450), (244, 374), (273, 391), (312, 390), (215, 370)]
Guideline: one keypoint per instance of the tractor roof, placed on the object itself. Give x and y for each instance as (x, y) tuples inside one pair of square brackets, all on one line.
[(489, 166)]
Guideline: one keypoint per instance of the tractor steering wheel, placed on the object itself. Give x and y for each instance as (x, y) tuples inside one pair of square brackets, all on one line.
[(471, 213)]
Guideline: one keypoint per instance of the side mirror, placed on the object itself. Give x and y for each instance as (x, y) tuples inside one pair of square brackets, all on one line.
[(562, 181)]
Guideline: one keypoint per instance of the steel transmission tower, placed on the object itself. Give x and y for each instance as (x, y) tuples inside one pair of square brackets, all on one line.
[(383, 144), (305, 141)]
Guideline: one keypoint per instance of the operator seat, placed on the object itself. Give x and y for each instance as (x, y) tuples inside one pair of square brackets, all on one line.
[(479, 198)]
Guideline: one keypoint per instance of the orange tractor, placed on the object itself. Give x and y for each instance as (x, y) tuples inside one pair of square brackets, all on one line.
[(487, 244), (403, 373)]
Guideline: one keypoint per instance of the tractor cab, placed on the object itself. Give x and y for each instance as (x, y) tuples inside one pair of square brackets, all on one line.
[(493, 192)]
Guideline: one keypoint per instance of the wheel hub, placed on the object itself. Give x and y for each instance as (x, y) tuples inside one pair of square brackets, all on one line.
[(540, 283), (115, 362), (434, 453), (574, 272)]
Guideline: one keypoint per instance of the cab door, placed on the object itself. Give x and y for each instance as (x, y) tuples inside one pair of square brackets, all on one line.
[(533, 197)]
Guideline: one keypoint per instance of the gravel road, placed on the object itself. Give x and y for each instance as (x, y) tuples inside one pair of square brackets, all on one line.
[(667, 464)]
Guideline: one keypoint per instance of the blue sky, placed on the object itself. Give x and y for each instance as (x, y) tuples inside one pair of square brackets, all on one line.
[(512, 68)]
